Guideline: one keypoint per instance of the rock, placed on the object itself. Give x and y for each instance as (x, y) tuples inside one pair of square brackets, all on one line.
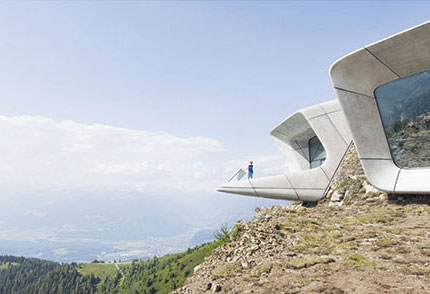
[(208, 286), (370, 188), (337, 196), (335, 204), (216, 288), (196, 268)]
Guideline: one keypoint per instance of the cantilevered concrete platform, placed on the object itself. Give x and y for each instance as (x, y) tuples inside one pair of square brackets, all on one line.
[(314, 141)]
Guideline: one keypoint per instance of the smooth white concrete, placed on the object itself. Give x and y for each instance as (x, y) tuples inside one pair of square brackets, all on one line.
[(407, 52), (365, 125), (310, 195), (300, 182), (242, 187), (355, 78), (382, 174), (360, 72)]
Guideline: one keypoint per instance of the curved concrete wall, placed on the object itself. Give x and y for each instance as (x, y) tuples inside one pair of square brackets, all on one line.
[(355, 78), (300, 182)]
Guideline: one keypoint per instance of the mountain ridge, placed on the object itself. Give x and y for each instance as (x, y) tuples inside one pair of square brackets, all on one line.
[(356, 240)]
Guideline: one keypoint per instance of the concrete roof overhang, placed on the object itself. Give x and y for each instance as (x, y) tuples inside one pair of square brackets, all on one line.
[(355, 78)]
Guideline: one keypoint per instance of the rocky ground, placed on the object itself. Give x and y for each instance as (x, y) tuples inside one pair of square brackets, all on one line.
[(355, 241)]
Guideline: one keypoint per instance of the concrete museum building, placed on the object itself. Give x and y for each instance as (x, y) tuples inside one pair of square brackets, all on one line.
[(383, 106)]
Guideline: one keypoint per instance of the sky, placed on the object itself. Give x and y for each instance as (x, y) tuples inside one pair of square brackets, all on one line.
[(219, 74), (165, 97)]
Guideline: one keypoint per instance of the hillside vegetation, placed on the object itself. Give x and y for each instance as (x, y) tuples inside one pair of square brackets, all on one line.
[(409, 141), (19, 275), (98, 269), (355, 241), (157, 275)]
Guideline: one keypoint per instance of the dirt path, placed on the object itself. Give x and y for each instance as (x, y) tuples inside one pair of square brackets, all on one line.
[(120, 271)]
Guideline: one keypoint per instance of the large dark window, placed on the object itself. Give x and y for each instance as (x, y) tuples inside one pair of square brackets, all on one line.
[(404, 105), (316, 152)]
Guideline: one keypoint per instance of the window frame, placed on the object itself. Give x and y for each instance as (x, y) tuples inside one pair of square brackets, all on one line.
[(310, 153)]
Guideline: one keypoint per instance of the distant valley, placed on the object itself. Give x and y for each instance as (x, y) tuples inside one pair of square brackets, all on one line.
[(121, 226)]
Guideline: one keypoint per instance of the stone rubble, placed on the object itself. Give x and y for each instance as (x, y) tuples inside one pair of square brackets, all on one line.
[(354, 241)]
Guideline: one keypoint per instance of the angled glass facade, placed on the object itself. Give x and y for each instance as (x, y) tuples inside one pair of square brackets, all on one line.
[(404, 106), (317, 153)]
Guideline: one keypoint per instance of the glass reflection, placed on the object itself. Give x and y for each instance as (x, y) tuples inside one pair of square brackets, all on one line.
[(316, 152), (404, 105)]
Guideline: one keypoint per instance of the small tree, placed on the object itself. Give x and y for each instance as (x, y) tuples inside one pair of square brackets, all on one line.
[(223, 233)]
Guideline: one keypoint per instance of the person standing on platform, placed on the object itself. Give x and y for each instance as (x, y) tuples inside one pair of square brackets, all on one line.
[(250, 170)]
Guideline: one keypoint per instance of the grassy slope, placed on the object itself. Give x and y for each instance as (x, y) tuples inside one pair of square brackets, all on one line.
[(171, 271), (5, 265), (164, 275), (100, 270)]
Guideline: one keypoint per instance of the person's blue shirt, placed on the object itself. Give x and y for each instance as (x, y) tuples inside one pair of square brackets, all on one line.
[(250, 170)]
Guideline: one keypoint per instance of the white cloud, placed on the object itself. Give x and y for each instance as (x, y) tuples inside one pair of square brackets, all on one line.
[(42, 154), (60, 251), (36, 212)]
